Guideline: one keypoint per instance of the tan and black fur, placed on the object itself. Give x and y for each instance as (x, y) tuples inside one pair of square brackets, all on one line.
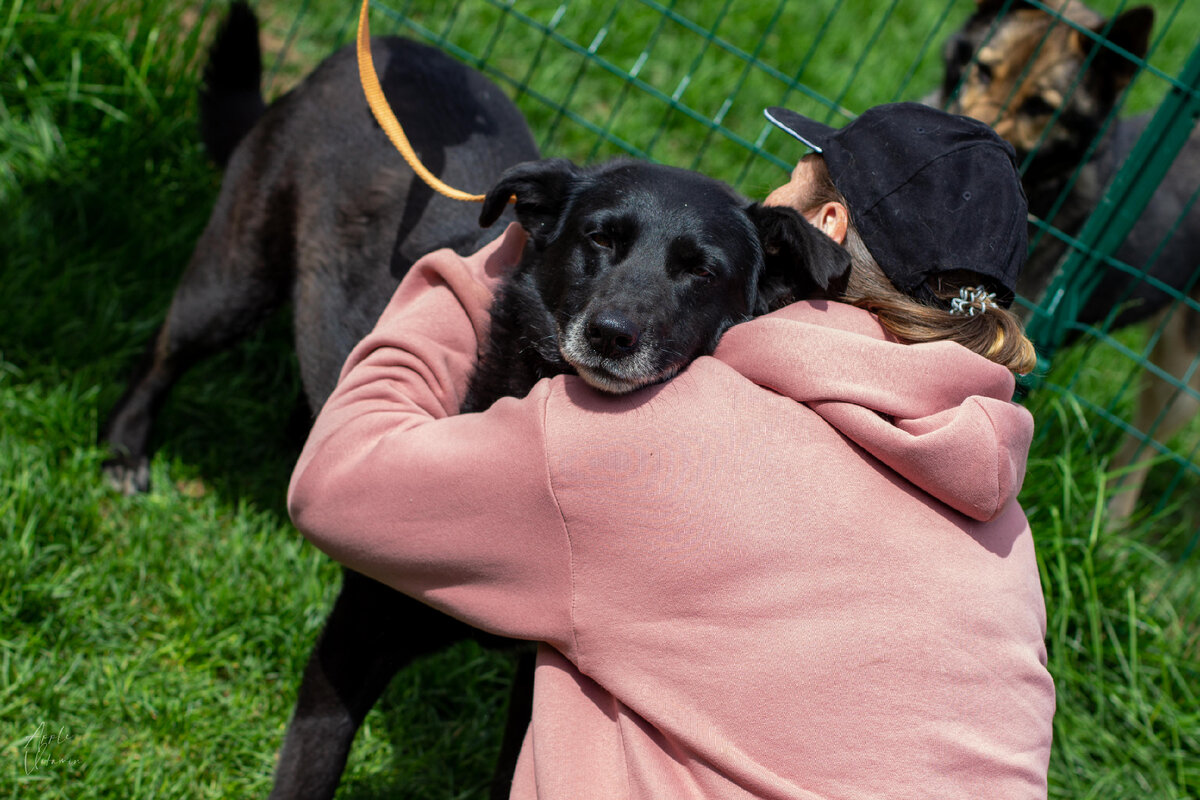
[(1047, 87)]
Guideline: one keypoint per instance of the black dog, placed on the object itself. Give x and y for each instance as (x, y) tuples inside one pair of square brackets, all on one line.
[(318, 208), (1036, 80), (631, 272)]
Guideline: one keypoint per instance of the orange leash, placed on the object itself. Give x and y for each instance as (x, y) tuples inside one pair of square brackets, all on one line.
[(387, 120)]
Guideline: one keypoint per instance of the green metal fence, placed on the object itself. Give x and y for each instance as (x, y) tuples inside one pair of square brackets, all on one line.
[(684, 82)]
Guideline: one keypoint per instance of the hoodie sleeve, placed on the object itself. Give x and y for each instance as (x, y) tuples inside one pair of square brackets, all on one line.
[(456, 511)]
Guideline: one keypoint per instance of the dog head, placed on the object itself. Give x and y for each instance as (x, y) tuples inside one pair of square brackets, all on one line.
[(633, 270), (1041, 82)]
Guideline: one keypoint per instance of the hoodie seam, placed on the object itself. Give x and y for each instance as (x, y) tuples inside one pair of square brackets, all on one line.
[(999, 451), (571, 606), (578, 660)]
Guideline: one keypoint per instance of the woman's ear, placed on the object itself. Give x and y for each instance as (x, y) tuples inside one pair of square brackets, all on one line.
[(831, 219)]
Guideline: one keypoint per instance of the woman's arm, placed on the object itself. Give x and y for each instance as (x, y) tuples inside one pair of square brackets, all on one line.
[(455, 510)]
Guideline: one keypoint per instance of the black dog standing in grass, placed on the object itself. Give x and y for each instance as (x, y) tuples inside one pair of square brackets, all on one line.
[(631, 271), (318, 209)]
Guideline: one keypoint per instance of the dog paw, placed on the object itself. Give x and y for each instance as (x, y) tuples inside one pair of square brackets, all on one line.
[(128, 475)]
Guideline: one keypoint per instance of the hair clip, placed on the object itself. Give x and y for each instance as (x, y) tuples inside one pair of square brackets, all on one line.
[(972, 299)]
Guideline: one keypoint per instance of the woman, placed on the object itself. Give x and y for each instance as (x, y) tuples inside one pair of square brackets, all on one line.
[(798, 569)]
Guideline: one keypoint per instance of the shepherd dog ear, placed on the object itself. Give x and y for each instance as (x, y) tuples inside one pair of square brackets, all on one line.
[(799, 260), (1130, 31), (541, 189)]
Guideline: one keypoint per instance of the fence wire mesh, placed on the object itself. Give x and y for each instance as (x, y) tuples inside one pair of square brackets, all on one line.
[(684, 82)]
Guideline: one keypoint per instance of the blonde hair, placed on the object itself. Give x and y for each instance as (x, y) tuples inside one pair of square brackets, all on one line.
[(996, 333)]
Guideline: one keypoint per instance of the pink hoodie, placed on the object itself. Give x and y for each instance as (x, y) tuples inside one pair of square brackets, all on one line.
[(797, 570)]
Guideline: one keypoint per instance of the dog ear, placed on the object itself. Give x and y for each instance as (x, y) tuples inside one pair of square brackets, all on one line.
[(1130, 31), (541, 189), (799, 260)]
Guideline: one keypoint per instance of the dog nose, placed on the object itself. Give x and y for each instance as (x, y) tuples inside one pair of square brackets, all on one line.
[(612, 334)]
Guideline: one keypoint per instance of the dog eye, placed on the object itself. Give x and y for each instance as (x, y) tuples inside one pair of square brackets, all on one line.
[(984, 72), (601, 240), (1036, 106), (701, 271)]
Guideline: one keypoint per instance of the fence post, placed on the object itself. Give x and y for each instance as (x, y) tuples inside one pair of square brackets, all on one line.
[(1118, 210)]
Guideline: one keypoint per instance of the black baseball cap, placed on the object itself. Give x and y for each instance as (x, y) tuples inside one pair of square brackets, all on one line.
[(928, 191)]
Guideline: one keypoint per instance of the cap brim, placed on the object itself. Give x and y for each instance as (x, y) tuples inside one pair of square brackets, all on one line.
[(814, 134)]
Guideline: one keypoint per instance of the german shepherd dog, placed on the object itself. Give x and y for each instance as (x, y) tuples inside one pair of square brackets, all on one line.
[(631, 271), (1046, 87)]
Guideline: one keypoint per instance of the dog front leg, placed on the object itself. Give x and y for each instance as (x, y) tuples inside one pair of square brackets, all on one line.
[(370, 634)]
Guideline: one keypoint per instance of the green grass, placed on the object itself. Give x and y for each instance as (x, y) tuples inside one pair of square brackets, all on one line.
[(164, 635), (1123, 638)]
